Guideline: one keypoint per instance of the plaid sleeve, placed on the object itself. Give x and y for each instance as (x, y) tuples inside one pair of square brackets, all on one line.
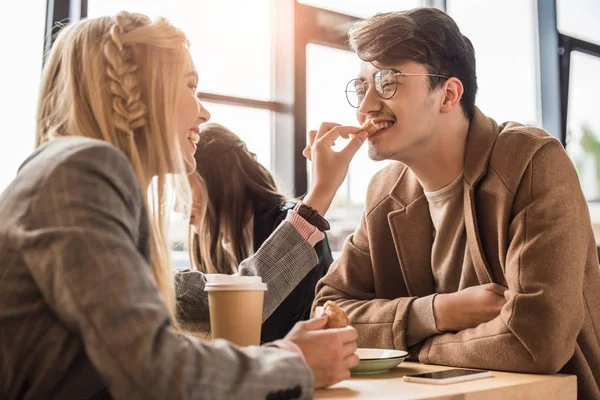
[(283, 261), (192, 301)]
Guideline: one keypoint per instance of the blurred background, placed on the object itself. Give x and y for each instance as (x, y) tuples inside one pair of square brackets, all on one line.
[(271, 70)]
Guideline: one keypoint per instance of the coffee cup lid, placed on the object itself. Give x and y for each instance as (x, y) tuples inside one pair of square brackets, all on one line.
[(233, 282)]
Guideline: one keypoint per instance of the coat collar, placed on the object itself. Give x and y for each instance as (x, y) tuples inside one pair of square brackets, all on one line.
[(413, 245), (481, 138)]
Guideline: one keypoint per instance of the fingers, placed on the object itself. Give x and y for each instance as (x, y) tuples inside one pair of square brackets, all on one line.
[(336, 132), (346, 335), (493, 287), (340, 376), (355, 144), (328, 133), (348, 349), (351, 361), (314, 323), (500, 302), (334, 365), (311, 140), (307, 153), (312, 135), (324, 128), (330, 378)]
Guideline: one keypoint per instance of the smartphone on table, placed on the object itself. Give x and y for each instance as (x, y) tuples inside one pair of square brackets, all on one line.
[(448, 376)]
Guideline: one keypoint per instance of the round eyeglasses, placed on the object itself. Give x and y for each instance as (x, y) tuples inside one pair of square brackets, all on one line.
[(385, 83)]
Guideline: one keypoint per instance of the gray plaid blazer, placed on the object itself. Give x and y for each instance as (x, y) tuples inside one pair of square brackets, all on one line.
[(80, 316)]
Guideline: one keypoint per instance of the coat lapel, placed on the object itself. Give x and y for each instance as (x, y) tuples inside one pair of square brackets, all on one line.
[(480, 142), (480, 263), (411, 229), (411, 224)]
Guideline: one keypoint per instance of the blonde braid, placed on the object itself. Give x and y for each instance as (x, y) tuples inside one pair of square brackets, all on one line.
[(128, 109), (129, 114)]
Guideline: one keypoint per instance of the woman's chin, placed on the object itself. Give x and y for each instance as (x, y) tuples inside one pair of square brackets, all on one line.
[(190, 165)]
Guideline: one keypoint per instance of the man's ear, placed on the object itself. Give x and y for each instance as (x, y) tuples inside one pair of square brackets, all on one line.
[(452, 91)]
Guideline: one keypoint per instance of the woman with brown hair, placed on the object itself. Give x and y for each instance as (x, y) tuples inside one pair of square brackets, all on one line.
[(236, 206)]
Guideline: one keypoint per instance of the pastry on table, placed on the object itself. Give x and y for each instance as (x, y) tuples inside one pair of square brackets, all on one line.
[(337, 318)]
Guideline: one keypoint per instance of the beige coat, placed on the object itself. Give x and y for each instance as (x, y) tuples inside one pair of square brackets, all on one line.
[(528, 228)]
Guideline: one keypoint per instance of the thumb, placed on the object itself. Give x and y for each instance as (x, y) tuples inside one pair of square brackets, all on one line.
[(354, 145), (315, 323), (495, 288), (307, 153)]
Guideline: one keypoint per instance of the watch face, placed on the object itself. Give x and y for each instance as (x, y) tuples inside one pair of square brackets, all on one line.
[(304, 210), (312, 217)]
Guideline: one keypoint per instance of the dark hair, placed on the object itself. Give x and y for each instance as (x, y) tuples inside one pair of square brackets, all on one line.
[(424, 35), (235, 185)]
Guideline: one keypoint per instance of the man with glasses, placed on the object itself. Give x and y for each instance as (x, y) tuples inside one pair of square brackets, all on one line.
[(475, 248)]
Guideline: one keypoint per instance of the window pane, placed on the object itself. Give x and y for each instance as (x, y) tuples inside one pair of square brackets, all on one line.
[(506, 61), (326, 101), (583, 122), (231, 40), (19, 80), (253, 125), (579, 18), (362, 8)]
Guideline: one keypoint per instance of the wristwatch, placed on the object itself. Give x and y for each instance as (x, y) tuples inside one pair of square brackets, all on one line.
[(312, 216)]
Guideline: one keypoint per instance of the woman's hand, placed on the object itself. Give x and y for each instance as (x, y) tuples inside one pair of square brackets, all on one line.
[(330, 353), (329, 167)]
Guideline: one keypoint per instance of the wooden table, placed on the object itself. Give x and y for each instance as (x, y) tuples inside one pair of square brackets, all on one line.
[(501, 386)]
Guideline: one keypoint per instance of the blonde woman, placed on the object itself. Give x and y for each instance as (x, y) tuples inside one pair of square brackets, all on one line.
[(85, 282)]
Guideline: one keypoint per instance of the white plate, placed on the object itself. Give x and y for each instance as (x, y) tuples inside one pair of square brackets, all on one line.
[(373, 361)]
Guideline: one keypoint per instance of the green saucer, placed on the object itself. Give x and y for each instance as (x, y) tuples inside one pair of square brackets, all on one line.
[(374, 361)]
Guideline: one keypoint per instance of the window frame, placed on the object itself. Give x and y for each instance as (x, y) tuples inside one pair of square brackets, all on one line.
[(555, 64)]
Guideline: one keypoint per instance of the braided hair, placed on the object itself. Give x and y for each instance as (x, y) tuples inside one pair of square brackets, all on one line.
[(118, 79)]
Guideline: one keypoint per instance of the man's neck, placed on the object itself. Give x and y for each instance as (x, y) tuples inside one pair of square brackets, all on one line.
[(441, 158)]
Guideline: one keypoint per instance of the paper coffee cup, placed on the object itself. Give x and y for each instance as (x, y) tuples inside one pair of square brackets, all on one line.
[(236, 307)]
